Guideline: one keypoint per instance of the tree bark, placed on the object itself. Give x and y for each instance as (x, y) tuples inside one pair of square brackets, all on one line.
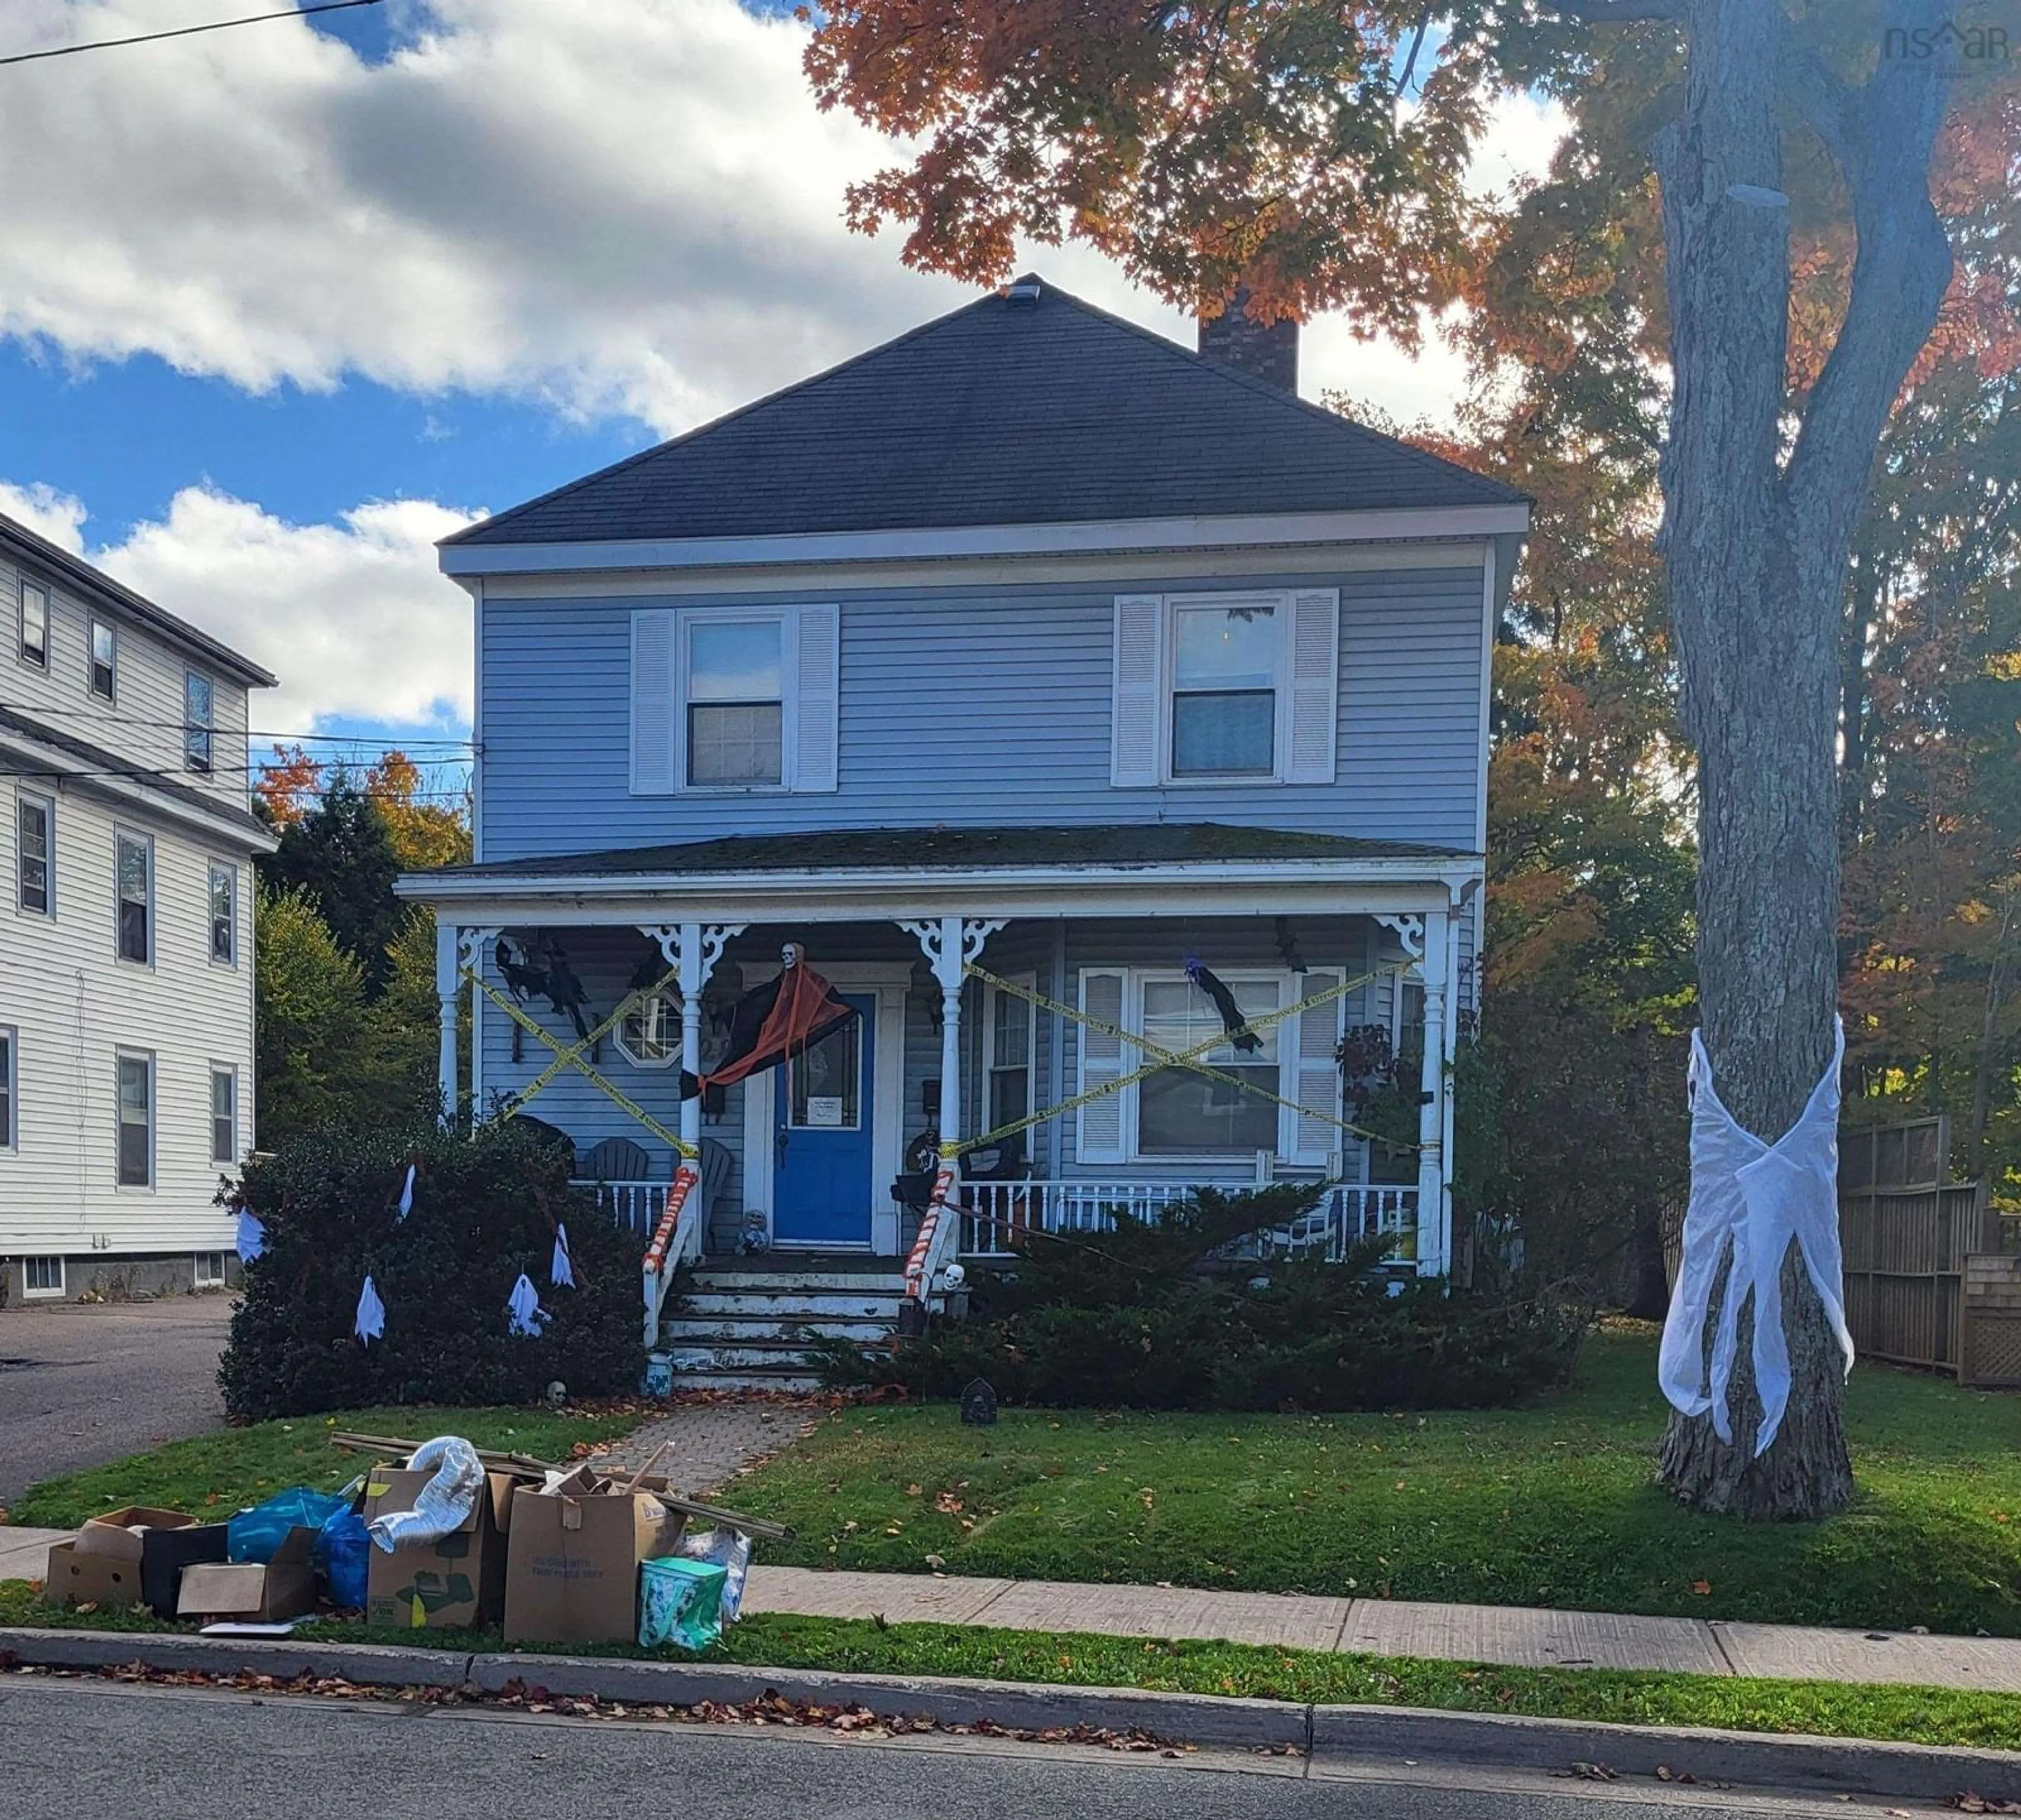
[(1757, 551)]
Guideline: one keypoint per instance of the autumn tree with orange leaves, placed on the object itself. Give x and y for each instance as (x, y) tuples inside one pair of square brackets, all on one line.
[(1316, 153)]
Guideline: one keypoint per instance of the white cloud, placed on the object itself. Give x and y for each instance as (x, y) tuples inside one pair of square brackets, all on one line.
[(632, 206), (352, 616)]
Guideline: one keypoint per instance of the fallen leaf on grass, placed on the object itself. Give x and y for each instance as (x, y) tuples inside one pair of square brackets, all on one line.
[(1701, 1587)]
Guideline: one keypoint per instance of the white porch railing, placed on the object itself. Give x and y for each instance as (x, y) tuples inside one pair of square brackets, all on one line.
[(636, 1205), (997, 1213)]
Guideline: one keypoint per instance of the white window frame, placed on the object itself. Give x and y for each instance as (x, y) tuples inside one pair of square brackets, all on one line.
[(200, 737), (30, 799), (197, 1278), (789, 699), (21, 653), (993, 1001), (222, 1071), (10, 1079), (218, 869), (672, 1058), (93, 626), (29, 1293), (1135, 979), (1283, 612), (120, 838), (146, 1057)]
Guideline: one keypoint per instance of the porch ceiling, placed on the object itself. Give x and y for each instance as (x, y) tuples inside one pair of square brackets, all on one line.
[(1170, 869)]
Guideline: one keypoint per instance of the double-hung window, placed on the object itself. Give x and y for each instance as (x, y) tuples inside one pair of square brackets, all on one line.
[(1180, 1112), (35, 632), (7, 1139), (224, 1113), (136, 898), (136, 1098), (224, 913), (104, 659), (199, 722), (1226, 657), (736, 701), (34, 829), (1009, 1037)]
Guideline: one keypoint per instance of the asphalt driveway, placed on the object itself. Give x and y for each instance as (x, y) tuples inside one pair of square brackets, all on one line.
[(82, 1384)]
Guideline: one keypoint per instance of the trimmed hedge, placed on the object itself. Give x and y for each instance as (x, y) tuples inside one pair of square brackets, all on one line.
[(484, 1209), (1156, 1315)]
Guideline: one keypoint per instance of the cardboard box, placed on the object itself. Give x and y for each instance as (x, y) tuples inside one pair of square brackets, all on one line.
[(101, 1580), (121, 1535), (458, 1581), (572, 1564), (168, 1551), (285, 1587)]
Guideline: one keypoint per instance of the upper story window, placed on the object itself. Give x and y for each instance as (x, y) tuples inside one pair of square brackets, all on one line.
[(34, 826), (199, 720), (34, 645), (1233, 688), (224, 913), (136, 898), (104, 659), (736, 701), (730, 700)]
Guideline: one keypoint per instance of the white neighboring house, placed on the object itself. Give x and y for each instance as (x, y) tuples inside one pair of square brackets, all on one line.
[(126, 1039)]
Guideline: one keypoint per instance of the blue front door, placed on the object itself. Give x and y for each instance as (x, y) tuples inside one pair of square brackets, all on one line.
[(821, 1139)]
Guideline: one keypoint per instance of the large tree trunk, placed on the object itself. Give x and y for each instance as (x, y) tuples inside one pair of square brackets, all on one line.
[(1756, 551)]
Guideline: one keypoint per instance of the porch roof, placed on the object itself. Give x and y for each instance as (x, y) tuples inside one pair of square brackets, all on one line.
[(837, 875)]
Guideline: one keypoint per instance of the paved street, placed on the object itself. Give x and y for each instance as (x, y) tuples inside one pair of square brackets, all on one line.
[(81, 1384), (81, 1750)]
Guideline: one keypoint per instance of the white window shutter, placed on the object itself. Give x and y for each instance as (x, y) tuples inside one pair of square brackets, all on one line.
[(656, 703), (1314, 717), (816, 705), (1318, 1088), (1134, 758), (1098, 1125)]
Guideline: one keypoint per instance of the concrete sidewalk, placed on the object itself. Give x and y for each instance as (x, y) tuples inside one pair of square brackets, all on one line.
[(1511, 1636), (24, 1553)]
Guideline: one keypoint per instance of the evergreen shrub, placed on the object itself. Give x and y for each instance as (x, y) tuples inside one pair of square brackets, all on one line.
[(484, 1209)]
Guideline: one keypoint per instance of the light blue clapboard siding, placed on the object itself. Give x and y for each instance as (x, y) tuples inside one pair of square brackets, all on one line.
[(976, 707)]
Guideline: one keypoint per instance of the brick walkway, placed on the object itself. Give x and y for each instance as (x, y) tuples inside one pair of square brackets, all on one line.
[(712, 1444)]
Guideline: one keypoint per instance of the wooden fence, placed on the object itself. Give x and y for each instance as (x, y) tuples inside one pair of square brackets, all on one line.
[(1905, 1249)]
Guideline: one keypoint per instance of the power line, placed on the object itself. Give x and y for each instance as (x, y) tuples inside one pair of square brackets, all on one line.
[(146, 775), (30, 57), (257, 733)]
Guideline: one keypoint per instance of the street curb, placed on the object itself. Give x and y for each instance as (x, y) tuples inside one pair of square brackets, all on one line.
[(1338, 1738)]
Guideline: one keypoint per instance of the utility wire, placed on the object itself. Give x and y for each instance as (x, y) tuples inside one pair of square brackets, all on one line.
[(162, 774), (353, 739), (30, 57)]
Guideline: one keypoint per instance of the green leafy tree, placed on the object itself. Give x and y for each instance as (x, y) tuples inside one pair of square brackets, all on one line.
[(340, 853), (313, 1046)]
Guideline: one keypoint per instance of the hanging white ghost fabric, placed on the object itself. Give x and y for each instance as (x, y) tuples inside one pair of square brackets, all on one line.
[(527, 1313), (252, 1239), (561, 1273), (407, 1193), (371, 1323), (1752, 1199)]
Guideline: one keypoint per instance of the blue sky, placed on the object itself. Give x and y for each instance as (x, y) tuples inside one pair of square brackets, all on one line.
[(281, 306)]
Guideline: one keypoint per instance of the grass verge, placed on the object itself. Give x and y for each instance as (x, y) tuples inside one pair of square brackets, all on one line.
[(1554, 1505), (216, 1474), (1814, 1708)]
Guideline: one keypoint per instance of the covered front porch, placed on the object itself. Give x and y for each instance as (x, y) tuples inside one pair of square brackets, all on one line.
[(1031, 1045)]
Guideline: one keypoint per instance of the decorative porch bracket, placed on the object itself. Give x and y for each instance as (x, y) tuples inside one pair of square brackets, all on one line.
[(1409, 928)]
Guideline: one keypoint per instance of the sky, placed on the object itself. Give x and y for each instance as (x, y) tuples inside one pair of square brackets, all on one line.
[(283, 305)]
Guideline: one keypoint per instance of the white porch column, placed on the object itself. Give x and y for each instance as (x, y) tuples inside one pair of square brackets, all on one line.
[(1434, 1200), (693, 949), (950, 943), (448, 979)]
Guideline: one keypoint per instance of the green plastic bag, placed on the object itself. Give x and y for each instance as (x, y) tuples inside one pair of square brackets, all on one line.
[(680, 1602)]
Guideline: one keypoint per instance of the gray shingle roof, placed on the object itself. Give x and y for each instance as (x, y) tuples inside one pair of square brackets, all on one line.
[(999, 414), (932, 848)]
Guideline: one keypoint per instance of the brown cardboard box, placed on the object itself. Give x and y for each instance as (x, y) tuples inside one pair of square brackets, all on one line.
[(73, 1578), (572, 1565), (120, 1535), (285, 1587), (458, 1581)]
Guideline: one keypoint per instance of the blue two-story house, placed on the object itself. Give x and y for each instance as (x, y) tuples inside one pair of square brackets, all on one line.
[(1028, 642)]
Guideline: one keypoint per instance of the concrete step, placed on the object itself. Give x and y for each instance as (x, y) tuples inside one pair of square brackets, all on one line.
[(734, 1327), (783, 1280), (798, 1383), (837, 1305)]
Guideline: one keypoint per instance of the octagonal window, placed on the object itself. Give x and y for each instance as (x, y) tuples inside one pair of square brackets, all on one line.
[(650, 1036)]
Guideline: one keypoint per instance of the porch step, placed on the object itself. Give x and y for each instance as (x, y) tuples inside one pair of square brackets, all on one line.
[(786, 1306), (744, 1325), (737, 1326), (785, 1280)]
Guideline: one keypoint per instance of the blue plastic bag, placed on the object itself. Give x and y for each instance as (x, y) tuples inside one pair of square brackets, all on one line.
[(256, 1535), (342, 1555)]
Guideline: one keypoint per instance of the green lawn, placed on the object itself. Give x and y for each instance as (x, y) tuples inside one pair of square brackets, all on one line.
[(216, 1474), (1554, 1505), (1922, 1715)]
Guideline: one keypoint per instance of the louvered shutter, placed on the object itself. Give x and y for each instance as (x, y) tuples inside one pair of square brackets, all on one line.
[(816, 668), (1140, 688), (1318, 1085), (656, 706), (1314, 734), (1098, 1125)]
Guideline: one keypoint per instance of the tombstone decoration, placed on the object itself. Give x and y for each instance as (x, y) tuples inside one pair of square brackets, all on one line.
[(979, 1404)]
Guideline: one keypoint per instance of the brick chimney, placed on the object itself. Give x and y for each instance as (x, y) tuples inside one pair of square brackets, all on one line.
[(1235, 338)]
